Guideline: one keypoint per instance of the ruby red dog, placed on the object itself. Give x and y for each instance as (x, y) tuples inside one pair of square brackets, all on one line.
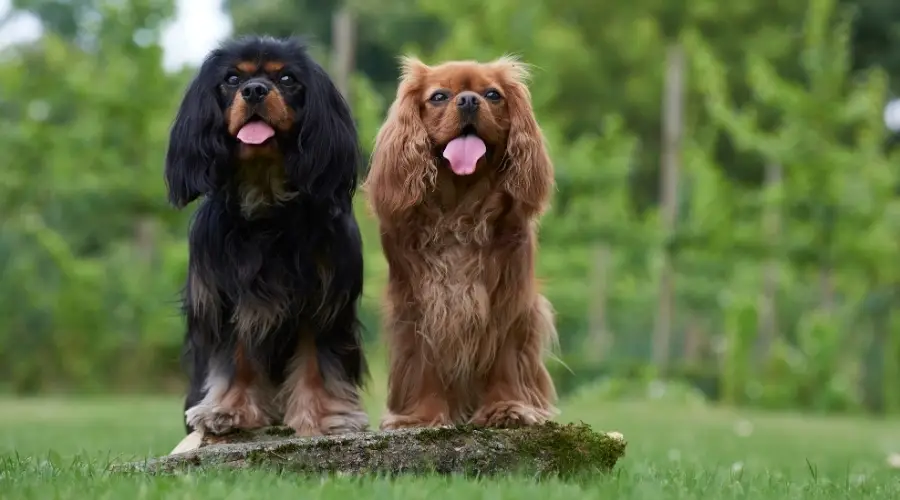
[(459, 176)]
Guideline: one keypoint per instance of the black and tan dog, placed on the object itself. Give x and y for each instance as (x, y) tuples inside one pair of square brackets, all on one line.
[(276, 268)]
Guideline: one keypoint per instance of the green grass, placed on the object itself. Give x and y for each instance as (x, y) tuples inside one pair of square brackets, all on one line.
[(58, 448)]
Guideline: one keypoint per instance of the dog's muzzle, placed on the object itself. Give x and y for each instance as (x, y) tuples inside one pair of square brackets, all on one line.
[(254, 92), (467, 103)]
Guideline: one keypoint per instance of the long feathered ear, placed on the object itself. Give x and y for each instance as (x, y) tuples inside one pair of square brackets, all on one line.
[(529, 169), (197, 153), (328, 159), (402, 167)]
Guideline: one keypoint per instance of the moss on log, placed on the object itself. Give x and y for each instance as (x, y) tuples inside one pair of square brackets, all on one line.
[(551, 449)]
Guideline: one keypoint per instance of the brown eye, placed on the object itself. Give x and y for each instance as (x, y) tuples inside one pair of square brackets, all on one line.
[(287, 80), (232, 79), (438, 97), (492, 95)]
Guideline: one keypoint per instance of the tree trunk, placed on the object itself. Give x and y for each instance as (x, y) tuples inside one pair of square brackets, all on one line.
[(673, 111), (891, 371), (826, 285), (767, 324), (599, 341), (145, 230), (343, 43), (693, 340)]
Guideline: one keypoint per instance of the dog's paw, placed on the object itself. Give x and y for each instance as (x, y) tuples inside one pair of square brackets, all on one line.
[(219, 420), (393, 422), (329, 425), (345, 423), (306, 425), (508, 414)]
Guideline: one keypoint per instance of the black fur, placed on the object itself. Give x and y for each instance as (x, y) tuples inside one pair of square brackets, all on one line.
[(273, 260)]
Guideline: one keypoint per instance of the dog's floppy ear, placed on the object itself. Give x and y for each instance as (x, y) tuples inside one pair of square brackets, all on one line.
[(197, 151), (402, 165), (529, 169), (328, 159)]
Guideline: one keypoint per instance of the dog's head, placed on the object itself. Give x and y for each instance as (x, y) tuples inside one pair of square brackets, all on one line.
[(465, 111), (469, 117), (262, 103)]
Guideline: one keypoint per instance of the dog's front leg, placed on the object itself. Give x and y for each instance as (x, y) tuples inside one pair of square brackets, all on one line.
[(229, 395), (320, 395), (518, 389), (416, 396)]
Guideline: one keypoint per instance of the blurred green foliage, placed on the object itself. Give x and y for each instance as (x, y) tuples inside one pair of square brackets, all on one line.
[(92, 258)]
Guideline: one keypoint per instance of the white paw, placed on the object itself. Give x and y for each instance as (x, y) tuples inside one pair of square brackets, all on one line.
[(329, 425), (213, 419), (345, 423)]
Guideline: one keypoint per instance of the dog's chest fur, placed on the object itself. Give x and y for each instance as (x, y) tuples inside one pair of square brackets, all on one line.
[(262, 184), (460, 252), (258, 274)]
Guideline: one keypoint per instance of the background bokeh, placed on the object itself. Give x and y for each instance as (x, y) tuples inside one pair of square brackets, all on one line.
[(726, 215)]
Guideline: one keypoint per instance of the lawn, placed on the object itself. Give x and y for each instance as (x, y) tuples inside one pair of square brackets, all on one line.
[(57, 448)]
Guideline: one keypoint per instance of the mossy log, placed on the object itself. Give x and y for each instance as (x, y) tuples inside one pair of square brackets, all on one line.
[(547, 450)]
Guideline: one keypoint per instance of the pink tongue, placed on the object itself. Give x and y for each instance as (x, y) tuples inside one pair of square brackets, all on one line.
[(255, 133), (463, 153)]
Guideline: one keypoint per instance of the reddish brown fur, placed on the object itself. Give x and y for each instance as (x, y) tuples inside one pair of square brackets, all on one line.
[(280, 115), (466, 325), (247, 67), (245, 393), (241, 403), (315, 405), (237, 115), (273, 66)]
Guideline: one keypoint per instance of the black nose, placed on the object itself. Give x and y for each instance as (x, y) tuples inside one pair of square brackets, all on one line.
[(467, 102), (254, 92)]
